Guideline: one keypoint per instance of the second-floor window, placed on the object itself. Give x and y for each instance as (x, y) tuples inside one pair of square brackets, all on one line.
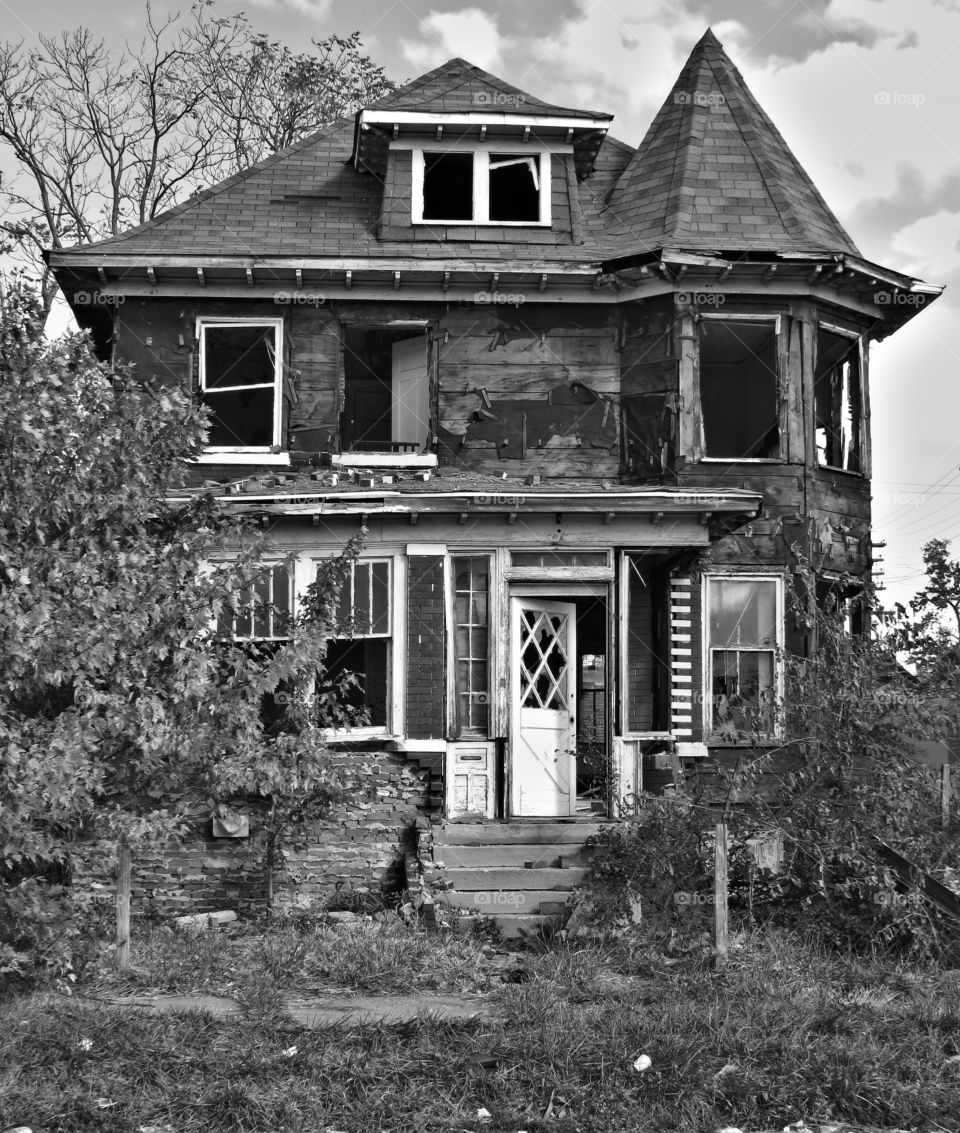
[(481, 187), (240, 376), (739, 388), (838, 400)]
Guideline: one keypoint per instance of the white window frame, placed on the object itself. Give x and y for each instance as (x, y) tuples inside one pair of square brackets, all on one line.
[(396, 650), (709, 732), (261, 454), (843, 332), (760, 317), (481, 185)]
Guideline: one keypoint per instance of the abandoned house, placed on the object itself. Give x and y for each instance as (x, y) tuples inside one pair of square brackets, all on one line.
[(592, 407)]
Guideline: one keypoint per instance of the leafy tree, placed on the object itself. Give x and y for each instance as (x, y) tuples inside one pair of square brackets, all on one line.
[(117, 702), (103, 140), (929, 633)]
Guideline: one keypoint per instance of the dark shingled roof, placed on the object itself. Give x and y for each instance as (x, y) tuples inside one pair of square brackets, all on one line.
[(459, 87), (713, 172)]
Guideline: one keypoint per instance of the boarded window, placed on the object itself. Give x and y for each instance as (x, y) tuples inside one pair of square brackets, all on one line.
[(743, 636), (471, 609), (838, 401), (739, 389), (363, 638), (239, 378), (514, 187), (448, 186)]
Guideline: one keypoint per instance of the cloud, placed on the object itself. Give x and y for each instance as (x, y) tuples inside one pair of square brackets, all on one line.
[(769, 32), (316, 9), (470, 34)]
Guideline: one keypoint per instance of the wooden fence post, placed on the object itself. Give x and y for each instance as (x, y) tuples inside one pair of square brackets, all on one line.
[(946, 790), (123, 906), (720, 892)]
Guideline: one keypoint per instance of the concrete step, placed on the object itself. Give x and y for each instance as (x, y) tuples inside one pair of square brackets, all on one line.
[(499, 902), (545, 833), (505, 879), (514, 926), (548, 854)]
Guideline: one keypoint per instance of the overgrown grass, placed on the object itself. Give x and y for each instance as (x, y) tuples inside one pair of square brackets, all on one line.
[(783, 1032), (307, 956)]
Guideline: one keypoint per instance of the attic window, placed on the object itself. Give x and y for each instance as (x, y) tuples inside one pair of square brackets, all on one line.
[(479, 187), (240, 369), (514, 187), (739, 394), (838, 399)]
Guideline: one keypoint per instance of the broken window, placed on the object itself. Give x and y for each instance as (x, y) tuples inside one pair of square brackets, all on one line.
[(460, 187), (471, 610), (259, 617), (743, 634), (240, 382), (837, 401), (448, 186), (739, 388), (514, 187), (361, 645), (386, 403)]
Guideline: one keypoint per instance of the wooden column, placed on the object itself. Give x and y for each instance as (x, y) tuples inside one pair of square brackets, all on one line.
[(123, 906), (720, 893)]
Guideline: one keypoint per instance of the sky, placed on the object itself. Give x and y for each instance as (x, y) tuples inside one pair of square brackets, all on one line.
[(866, 93)]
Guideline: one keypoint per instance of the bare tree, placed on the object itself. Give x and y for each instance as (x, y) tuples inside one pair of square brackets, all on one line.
[(103, 140)]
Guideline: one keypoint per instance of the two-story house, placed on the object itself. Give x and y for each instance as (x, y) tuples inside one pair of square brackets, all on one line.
[(592, 407)]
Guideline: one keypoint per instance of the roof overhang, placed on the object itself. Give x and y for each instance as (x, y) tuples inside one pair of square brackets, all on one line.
[(885, 297), (714, 511), (375, 129)]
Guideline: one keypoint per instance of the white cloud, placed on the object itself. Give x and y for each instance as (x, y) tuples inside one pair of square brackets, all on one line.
[(470, 34), (931, 245), (316, 9)]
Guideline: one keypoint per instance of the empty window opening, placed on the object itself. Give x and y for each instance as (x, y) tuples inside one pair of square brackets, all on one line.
[(386, 402), (591, 706), (738, 388), (743, 636), (239, 378), (838, 401), (514, 187), (448, 186), (472, 643), (361, 646)]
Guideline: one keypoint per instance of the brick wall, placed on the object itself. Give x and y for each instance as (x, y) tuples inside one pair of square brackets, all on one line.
[(426, 661), (363, 842)]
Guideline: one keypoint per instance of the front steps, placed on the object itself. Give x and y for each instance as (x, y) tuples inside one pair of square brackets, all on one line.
[(519, 874)]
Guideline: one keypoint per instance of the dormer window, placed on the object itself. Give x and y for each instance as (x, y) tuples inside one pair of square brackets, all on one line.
[(459, 186)]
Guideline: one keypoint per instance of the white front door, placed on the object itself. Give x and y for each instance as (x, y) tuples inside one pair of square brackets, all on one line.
[(543, 772), (411, 392)]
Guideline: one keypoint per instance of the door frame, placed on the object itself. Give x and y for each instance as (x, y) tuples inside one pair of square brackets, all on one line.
[(560, 591), (568, 772)]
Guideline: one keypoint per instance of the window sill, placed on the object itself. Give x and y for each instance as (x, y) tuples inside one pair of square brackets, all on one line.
[(832, 468), (435, 221), (252, 456), (384, 460), (357, 735), (742, 460)]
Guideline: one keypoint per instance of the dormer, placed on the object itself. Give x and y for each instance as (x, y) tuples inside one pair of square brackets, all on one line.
[(465, 156)]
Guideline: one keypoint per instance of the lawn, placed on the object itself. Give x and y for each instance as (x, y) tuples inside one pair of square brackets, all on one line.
[(785, 1031)]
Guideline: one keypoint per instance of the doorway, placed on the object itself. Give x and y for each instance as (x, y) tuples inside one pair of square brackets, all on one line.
[(558, 725)]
